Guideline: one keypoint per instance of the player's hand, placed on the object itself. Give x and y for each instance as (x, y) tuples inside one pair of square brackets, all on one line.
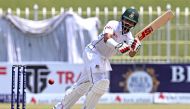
[(136, 45), (123, 47)]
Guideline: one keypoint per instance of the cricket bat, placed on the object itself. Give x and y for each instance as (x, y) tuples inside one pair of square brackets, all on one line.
[(153, 26)]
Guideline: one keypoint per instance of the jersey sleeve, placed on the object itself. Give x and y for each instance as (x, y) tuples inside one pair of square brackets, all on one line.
[(110, 27)]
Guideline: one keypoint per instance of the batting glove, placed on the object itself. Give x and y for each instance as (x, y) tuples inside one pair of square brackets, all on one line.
[(136, 45), (123, 47)]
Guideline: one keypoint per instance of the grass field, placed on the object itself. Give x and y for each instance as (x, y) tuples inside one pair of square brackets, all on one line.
[(113, 106), (91, 3)]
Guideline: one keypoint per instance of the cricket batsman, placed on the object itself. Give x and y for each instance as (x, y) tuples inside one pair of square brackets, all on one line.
[(94, 82)]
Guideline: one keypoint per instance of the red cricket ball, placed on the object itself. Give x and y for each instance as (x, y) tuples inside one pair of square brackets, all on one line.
[(51, 81)]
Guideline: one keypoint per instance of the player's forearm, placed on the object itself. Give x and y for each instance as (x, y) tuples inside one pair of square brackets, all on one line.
[(107, 36), (109, 41)]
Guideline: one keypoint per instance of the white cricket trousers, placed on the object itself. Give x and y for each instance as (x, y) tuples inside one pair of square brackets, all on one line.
[(94, 78)]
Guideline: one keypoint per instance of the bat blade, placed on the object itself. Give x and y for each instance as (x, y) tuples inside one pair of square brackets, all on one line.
[(153, 26)]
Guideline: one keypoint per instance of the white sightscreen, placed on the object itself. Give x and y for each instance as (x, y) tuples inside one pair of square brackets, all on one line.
[(60, 38)]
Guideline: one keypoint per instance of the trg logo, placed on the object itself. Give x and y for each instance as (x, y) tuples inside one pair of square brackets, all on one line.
[(36, 78)]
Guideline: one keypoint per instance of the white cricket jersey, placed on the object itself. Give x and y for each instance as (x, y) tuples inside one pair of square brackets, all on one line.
[(115, 28)]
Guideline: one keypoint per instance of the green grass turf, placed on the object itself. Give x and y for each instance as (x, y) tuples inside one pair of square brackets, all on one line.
[(112, 106), (92, 3)]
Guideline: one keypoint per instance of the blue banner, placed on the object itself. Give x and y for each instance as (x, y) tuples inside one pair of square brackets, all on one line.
[(148, 78)]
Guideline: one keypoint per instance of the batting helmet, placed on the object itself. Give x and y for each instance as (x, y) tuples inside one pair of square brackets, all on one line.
[(131, 15)]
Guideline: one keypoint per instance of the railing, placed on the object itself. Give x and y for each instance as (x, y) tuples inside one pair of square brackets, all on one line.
[(171, 43)]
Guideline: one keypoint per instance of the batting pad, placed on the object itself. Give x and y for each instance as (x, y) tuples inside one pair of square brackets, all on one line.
[(98, 89), (72, 95)]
